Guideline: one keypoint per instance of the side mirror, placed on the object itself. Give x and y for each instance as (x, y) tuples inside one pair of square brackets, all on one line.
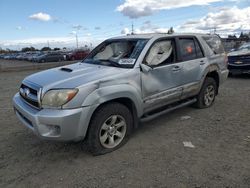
[(145, 68)]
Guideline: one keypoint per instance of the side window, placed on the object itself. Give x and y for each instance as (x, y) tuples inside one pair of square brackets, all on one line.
[(187, 49), (162, 52)]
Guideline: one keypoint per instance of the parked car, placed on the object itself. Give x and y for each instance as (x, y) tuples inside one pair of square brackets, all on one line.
[(122, 81), (239, 60), (48, 57), (77, 55), (34, 56)]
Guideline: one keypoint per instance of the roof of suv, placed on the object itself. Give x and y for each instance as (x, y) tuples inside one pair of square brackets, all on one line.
[(157, 35)]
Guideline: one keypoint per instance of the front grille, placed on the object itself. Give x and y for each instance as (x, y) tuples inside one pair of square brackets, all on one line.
[(30, 94), (243, 59)]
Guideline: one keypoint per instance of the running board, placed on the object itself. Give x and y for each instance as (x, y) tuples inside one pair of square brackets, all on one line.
[(150, 117)]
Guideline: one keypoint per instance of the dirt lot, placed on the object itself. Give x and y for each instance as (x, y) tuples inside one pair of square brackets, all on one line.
[(154, 156)]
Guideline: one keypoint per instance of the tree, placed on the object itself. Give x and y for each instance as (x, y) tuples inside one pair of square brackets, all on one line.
[(46, 49), (232, 37), (244, 36), (55, 49), (28, 49), (171, 30)]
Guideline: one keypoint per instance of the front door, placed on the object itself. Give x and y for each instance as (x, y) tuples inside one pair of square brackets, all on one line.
[(161, 85)]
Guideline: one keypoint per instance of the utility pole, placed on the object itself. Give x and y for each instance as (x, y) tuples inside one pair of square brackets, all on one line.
[(76, 41), (214, 29)]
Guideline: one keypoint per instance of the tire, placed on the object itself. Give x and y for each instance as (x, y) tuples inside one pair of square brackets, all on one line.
[(207, 94), (107, 123)]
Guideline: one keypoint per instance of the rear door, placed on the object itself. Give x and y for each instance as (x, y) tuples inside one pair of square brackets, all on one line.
[(193, 62)]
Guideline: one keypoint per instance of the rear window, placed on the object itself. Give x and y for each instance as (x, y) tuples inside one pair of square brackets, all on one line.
[(214, 43)]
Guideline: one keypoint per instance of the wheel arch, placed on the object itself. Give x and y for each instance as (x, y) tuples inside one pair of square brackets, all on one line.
[(215, 75), (122, 100), (212, 72)]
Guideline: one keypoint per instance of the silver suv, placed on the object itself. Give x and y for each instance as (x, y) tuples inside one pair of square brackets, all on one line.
[(123, 81)]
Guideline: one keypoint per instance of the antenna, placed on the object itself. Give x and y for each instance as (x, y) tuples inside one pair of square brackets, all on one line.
[(132, 33), (214, 29)]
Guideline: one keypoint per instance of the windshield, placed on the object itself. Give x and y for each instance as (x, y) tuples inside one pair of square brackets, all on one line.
[(120, 53), (245, 46)]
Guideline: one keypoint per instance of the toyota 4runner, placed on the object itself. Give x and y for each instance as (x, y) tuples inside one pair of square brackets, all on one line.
[(123, 81)]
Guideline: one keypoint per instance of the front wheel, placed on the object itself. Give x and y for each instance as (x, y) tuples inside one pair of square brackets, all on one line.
[(207, 94), (109, 128)]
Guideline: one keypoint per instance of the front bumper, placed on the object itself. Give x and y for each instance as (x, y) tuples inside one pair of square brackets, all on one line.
[(54, 124), (239, 69)]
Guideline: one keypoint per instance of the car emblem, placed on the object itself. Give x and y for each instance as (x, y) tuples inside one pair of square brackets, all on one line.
[(25, 92), (238, 62)]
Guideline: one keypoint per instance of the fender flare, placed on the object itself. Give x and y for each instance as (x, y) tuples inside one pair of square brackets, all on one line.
[(108, 93)]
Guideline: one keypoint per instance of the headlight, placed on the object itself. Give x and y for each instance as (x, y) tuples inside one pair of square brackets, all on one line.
[(57, 98)]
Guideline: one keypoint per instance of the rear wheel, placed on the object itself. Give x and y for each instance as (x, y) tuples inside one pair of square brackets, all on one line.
[(207, 93), (109, 128)]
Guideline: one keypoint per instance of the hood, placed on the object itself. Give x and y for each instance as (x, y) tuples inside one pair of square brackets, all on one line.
[(239, 53), (72, 76)]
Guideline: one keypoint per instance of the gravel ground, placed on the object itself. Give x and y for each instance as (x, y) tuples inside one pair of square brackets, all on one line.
[(16, 65), (154, 156)]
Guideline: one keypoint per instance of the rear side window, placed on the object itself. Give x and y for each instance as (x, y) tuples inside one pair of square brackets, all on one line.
[(214, 43), (189, 49)]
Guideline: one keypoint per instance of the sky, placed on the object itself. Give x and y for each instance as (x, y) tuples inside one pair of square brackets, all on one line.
[(57, 23)]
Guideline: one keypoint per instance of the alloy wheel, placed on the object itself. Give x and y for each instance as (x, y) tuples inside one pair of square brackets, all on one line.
[(209, 95), (112, 131)]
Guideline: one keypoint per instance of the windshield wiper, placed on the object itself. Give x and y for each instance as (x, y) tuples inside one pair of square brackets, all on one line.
[(114, 63)]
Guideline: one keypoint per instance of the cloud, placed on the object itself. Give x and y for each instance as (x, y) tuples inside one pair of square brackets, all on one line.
[(77, 26), (97, 28), (227, 20), (140, 8), (68, 42), (146, 27), (224, 21), (19, 28), (40, 17), (125, 31)]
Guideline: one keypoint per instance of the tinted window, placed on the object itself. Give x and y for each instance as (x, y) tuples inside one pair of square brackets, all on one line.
[(214, 43), (199, 52), (187, 49)]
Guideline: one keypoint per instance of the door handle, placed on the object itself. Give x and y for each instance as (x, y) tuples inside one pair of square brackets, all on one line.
[(176, 68), (202, 62)]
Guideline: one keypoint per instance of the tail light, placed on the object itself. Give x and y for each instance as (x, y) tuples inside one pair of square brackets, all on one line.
[(226, 60)]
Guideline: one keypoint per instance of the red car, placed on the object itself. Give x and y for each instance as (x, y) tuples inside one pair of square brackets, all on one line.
[(77, 55)]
